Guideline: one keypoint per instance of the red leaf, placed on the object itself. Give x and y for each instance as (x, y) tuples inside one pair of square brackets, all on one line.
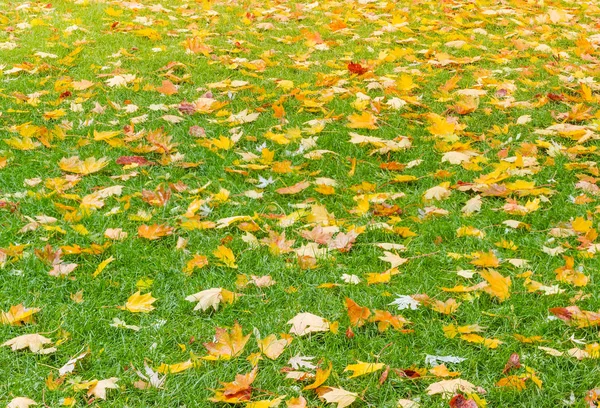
[(357, 68), (458, 401)]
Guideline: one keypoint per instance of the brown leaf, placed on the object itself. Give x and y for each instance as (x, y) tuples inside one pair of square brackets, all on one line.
[(513, 363)]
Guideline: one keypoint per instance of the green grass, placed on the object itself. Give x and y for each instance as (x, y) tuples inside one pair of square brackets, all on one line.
[(173, 332)]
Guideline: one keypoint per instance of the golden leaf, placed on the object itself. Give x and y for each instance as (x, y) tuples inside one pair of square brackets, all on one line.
[(138, 303)]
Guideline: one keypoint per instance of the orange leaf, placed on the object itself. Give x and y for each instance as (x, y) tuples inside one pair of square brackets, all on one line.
[(155, 231), (227, 344), (167, 88), (295, 189), (358, 315), (237, 391)]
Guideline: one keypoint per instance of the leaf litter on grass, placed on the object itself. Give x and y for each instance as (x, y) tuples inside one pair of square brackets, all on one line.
[(316, 165)]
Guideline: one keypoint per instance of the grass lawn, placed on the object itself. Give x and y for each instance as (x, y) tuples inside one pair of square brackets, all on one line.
[(365, 203)]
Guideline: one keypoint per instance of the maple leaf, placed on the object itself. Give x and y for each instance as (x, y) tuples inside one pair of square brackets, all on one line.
[(271, 347), (512, 381), (358, 315), (98, 388), (450, 387), (406, 302), (227, 345), (237, 391), (394, 259), (458, 401), (321, 376), (513, 363), (574, 316), (120, 324), (301, 361), (150, 378), (21, 402), (365, 120), (448, 307), (18, 315), (69, 366), (116, 234), (174, 368), (243, 117), (475, 338), (337, 396), (265, 403), (155, 231), (34, 342), (295, 189), (438, 193), (84, 167), (485, 260), (385, 319), (211, 298), (361, 368), (356, 68), (138, 303), (472, 206), (167, 88), (225, 255), (305, 323), (498, 285), (442, 371), (298, 402), (404, 403), (197, 262)]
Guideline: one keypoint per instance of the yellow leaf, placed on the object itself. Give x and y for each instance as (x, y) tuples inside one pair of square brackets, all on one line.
[(321, 376), (87, 166), (174, 368), (440, 126), (581, 225), (383, 277), (225, 255), (499, 286), (485, 260), (101, 266), (452, 331), (448, 307), (98, 136), (55, 114), (17, 315), (512, 381), (365, 120), (149, 33), (265, 403), (475, 338), (25, 143), (138, 303), (442, 371), (363, 368)]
